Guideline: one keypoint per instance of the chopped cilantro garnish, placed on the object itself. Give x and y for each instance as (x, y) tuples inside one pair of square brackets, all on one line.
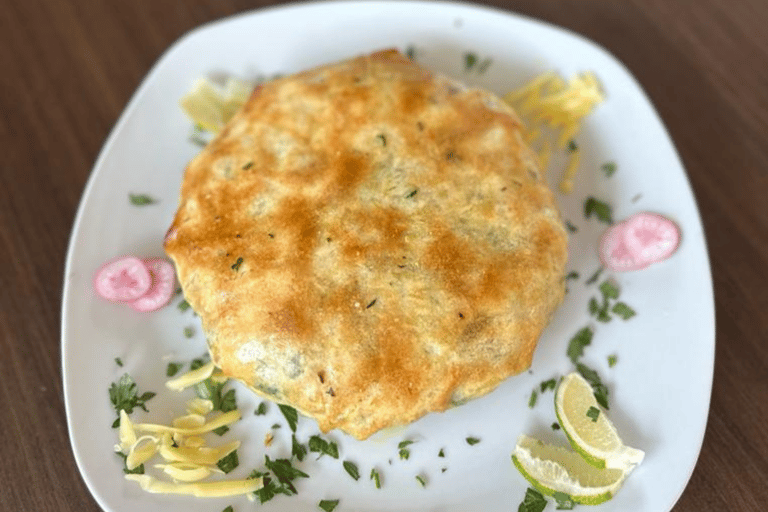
[(228, 509), (351, 468), (564, 502), (140, 199), (124, 395), (470, 59), (570, 227), (410, 52), (211, 390), (236, 264), (484, 65), (593, 413), (328, 505), (609, 168), (221, 430), (594, 306), (375, 477), (572, 146), (612, 360), (624, 311), (572, 275), (599, 389), (533, 501), (532, 400), (284, 472), (228, 462), (261, 410), (600, 209), (247, 166), (197, 363), (173, 369), (119, 362), (319, 445), (555, 426), (269, 488), (471, 441), (403, 449), (189, 332), (275, 426), (609, 289), (183, 305), (298, 450), (580, 340), (291, 416), (594, 277), (441, 453), (411, 194), (422, 480), (547, 384)]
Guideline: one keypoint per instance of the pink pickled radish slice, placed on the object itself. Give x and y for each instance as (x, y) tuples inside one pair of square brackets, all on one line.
[(161, 291), (650, 237), (123, 279), (614, 252)]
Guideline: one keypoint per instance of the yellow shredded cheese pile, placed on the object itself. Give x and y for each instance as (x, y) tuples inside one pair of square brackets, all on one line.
[(561, 105), (187, 458)]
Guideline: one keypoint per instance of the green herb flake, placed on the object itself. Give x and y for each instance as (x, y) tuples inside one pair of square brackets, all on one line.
[(172, 369), (441, 453), (564, 502), (410, 52), (422, 480), (247, 166), (197, 363), (413, 193), (484, 65), (291, 416), (609, 289), (471, 441), (229, 509), (572, 275), (555, 426), (598, 388), (570, 227), (140, 199), (319, 445), (594, 277), (383, 138), (183, 305), (275, 426), (119, 362), (594, 306), (298, 450), (189, 332), (593, 413), (580, 340), (211, 390), (284, 472), (197, 136), (328, 505), (572, 146), (221, 430), (125, 396), (609, 168), (376, 478), (404, 452), (532, 400), (600, 209), (470, 59), (612, 360), (228, 462), (624, 311), (533, 501), (351, 468), (236, 265), (548, 384), (261, 410)]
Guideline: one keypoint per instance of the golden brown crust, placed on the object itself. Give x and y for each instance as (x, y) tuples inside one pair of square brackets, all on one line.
[(400, 252)]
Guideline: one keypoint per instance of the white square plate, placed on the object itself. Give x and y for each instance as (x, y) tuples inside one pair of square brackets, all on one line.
[(660, 388)]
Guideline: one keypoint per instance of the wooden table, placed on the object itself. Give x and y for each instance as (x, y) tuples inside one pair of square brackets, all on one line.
[(69, 67)]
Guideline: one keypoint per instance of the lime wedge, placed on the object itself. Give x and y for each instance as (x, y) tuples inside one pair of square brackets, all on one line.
[(588, 428), (557, 471)]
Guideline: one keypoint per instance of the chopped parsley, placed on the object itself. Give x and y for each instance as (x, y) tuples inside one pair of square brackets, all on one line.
[(422, 480), (284, 472), (441, 453), (548, 384), (298, 450), (370, 304), (572, 275), (275, 426), (600, 209), (612, 360), (261, 410), (609, 168), (471, 441), (382, 138), (124, 395), (291, 416), (351, 468), (609, 289), (189, 332), (228, 462), (197, 363), (211, 390), (572, 146), (319, 445), (376, 478), (564, 502), (599, 389), (410, 52), (119, 362), (484, 65), (221, 430), (580, 340), (328, 505), (411, 194), (594, 277), (140, 199), (624, 311), (470, 59), (173, 369), (533, 501), (236, 265), (532, 400), (228, 509), (593, 413), (404, 452), (555, 426), (247, 166), (570, 227), (183, 305)]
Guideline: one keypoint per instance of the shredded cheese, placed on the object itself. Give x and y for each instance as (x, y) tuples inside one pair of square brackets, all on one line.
[(198, 489), (220, 421), (201, 456), (185, 472), (142, 450), (191, 378)]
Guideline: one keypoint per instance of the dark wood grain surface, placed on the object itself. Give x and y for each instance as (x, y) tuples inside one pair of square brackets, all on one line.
[(70, 66)]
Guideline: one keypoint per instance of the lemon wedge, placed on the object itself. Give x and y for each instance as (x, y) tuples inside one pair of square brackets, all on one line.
[(210, 107), (588, 428)]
